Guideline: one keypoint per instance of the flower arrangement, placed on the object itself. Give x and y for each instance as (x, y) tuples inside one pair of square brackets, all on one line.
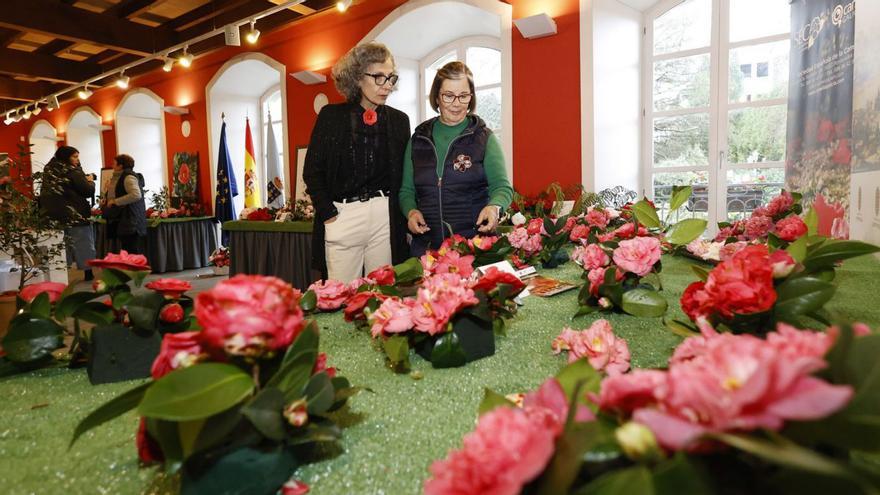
[(757, 287), (300, 210), (161, 207), (550, 202), (478, 251), (236, 405), (731, 414), (257, 214), (777, 223), (220, 257)]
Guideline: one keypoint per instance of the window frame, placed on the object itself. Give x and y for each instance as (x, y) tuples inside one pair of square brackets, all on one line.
[(262, 169)]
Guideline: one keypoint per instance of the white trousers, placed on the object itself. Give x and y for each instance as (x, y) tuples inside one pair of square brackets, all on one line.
[(359, 240)]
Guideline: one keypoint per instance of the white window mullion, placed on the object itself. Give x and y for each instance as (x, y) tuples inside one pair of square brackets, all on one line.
[(682, 54), (717, 124), (679, 112), (758, 103), (756, 41)]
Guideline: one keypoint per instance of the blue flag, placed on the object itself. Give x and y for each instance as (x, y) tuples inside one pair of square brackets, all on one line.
[(224, 209)]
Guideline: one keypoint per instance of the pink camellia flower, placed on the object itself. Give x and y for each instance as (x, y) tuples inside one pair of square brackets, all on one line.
[(384, 275), (178, 350), (638, 255), (294, 487), (734, 230), (451, 242), (861, 329), (52, 289), (331, 294), (780, 204), (791, 228), (354, 305), (782, 262), (796, 343), (727, 251), (551, 396), (454, 262), (393, 316), (321, 365), (569, 224), (171, 313), (438, 300), (592, 256), (509, 448), (535, 226), (596, 218), (482, 242), (627, 392), (171, 288), (429, 262), (579, 233), (249, 315), (122, 261), (596, 276), (598, 344), (758, 226)]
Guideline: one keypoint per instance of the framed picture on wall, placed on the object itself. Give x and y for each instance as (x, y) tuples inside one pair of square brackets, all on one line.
[(106, 175), (300, 191), (186, 175)]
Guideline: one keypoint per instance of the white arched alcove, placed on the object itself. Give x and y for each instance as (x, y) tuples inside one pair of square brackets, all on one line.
[(84, 134), (140, 133), (420, 28), (44, 141), (238, 90)]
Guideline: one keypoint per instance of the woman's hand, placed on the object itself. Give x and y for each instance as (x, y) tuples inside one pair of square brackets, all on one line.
[(416, 222), (488, 219)]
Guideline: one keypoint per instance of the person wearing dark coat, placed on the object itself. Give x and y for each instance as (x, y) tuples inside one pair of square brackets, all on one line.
[(64, 196), (353, 169), (126, 208)]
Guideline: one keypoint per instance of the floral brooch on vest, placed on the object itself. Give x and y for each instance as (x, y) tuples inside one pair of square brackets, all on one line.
[(462, 163)]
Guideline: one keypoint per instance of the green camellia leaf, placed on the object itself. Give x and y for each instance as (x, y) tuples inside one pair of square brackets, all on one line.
[(833, 250), (644, 303), (94, 312), (265, 413), (634, 480), (577, 372), (681, 328), (812, 221), (320, 393), (309, 301), (408, 272), (110, 410), (680, 195), (492, 400), (802, 295), (686, 231), (646, 214), (297, 365), (396, 348), (41, 307), (196, 392), (701, 272), (143, 309), (31, 339), (447, 352), (681, 475), (798, 249), (69, 303), (113, 277)]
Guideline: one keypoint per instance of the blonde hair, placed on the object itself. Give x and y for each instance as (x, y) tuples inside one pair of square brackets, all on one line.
[(348, 71)]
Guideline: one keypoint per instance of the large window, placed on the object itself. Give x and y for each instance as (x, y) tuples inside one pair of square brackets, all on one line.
[(84, 133), (140, 133), (483, 56), (270, 105), (716, 86)]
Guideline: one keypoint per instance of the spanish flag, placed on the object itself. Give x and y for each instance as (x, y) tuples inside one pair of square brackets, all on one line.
[(251, 191)]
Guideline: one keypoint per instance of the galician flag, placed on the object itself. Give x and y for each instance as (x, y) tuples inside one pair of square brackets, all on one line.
[(274, 184), (251, 191)]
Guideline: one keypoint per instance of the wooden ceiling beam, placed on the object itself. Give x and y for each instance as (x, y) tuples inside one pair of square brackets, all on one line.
[(23, 91), (44, 66), (53, 47), (74, 24), (130, 8), (204, 13)]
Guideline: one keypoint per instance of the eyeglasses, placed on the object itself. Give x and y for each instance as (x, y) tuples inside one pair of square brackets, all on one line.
[(464, 98), (380, 79)]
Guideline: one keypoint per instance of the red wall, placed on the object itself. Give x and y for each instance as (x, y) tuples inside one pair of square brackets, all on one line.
[(546, 97)]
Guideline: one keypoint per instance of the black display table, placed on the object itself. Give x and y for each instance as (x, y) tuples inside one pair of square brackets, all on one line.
[(281, 249), (171, 245)]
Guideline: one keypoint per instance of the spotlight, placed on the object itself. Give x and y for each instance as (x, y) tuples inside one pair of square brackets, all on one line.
[(84, 93), (186, 59), (53, 103), (8, 119), (16, 116), (254, 33), (343, 5), (37, 109), (169, 64), (122, 82), (27, 113)]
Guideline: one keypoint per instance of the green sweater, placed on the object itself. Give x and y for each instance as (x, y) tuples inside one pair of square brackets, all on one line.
[(500, 192)]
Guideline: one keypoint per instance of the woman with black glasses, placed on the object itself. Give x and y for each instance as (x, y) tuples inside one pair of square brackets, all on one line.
[(454, 178), (353, 169)]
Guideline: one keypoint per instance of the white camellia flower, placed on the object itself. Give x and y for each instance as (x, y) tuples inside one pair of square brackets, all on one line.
[(518, 219)]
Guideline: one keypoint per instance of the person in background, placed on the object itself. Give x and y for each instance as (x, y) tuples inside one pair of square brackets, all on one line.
[(454, 177), (64, 196), (125, 207), (353, 169)]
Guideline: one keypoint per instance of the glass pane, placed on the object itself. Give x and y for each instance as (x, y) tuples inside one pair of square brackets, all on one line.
[(431, 70), (489, 106), (767, 74), (681, 83), (757, 134), (429, 112), (751, 19), (750, 188), (685, 26), (698, 204), (485, 63), (682, 140)]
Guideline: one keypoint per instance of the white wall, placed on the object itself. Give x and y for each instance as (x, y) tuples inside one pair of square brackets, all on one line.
[(616, 51), (406, 97)]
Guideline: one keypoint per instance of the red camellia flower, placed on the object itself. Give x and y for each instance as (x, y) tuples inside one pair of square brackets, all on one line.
[(122, 261), (183, 174), (178, 350), (171, 313), (261, 215), (249, 315), (384, 275), (370, 117), (791, 228), (354, 305), (171, 288), (53, 289), (321, 365), (149, 451), (743, 284), (494, 276), (294, 487), (695, 301)]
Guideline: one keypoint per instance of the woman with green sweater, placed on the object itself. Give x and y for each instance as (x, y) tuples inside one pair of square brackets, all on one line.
[(454, 177)]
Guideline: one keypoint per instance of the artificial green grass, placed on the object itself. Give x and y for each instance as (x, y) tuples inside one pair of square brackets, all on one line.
[(392, 435)]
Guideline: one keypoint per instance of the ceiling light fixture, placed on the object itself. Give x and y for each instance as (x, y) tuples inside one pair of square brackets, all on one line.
[(254, 33), (84, 93), (169, 64), (27, 113), (8, 119), (186, 59), (122, 82), (37, 108), (52, 103), (343, 5)]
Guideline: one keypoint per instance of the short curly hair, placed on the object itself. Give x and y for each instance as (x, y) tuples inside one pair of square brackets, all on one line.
[(349, 70)]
